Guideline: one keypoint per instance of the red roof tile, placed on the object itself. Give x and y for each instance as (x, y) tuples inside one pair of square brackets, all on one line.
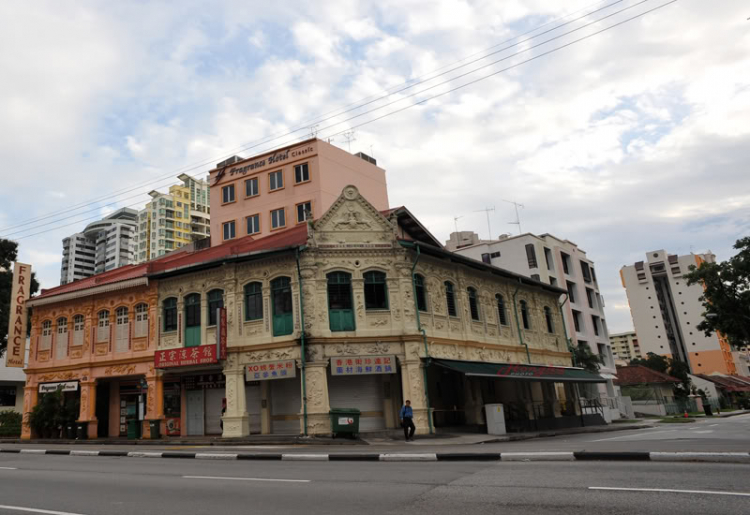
[(113, 276), (638, 374), (728, 383), (246, 245)]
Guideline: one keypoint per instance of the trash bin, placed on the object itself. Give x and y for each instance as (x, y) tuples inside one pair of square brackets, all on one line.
[(133, 430), (70, 431), (82, 430), (155, 427), (707, 410), (344, 421)]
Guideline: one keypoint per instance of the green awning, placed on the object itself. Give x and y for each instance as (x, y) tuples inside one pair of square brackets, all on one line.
[(519, 371)]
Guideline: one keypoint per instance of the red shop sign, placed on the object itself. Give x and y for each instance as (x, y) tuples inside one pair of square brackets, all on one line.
[(186, 357)]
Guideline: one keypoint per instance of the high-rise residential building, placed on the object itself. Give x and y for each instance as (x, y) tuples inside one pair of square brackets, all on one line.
[(286, 187), (625, 346), (103, 245), (557, 262), (666, 312), (172, 220)]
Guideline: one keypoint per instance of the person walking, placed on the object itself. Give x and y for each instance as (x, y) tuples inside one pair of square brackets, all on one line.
[(407, 421)]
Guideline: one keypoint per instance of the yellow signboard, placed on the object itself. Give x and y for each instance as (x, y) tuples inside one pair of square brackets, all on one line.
[(16, 352)]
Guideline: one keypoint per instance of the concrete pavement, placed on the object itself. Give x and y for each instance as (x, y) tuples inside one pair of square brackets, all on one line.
[(125, 486)]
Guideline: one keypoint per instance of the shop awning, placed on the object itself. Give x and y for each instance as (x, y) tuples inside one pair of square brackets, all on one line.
[(518, 371)]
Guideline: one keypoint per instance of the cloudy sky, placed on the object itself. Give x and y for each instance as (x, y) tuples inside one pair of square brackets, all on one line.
[(631, 140)]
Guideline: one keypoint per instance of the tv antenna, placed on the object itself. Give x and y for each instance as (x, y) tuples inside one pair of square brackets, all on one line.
[(516, 205), (487, 211), (314, 130), (349, 137), (455, 221)]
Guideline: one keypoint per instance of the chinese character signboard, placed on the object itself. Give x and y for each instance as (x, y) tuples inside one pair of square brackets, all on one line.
[(19, 294), (362, 365), (186, 357), (282, 369)]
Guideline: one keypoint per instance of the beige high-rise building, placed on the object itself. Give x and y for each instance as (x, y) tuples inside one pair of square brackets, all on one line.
[(666, 312), (625, 346), (172, 220)]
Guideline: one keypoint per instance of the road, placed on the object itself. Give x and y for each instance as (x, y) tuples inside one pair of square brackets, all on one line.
[(709, 435), (125, 486)]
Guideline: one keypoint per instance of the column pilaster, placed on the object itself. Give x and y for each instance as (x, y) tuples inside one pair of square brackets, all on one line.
[(236, 420), (318, 403)]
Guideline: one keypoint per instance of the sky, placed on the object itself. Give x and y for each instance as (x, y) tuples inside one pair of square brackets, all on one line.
[(633, 139)]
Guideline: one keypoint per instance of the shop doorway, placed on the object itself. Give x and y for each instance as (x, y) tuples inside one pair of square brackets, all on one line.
[(102, 410), (195, 400)]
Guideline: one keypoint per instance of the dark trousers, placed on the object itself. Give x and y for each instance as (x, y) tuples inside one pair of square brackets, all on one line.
[(409, 428)]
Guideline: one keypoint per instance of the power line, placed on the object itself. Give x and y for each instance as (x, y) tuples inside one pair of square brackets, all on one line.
[(480, 78), (306, 124)]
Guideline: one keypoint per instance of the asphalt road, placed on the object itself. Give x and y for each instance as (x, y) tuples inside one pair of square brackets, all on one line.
[(120, 486), (709, 435)]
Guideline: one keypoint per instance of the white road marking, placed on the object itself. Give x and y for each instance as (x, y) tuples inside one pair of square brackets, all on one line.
[(670, 490), (249, 479), (36, 510), (712, 425), (706, 431), (637, 435), (8, 468)]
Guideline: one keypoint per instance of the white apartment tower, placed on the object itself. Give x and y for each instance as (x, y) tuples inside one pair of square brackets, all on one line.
[(175, 219), (625, 346), (557, 262), (666, 312), (103, 245)]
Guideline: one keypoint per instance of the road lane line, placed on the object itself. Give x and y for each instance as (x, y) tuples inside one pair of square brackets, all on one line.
[(249, 479), (8, 468), (36, 510), (669, 490)]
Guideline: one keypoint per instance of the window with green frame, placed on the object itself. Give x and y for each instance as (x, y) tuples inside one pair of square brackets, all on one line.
[(193, 320), (253, 301), (340, 312), (376, 290), (473, 304), (169, 308), (215, 301), (281, 306), (421, 292)]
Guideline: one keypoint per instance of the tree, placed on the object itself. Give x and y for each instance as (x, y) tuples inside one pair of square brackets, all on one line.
[(8, 254), (653, 361), (584, 358), (726, 296)]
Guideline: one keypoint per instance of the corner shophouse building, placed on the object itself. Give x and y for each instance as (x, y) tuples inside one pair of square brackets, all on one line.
[(95, 339), (347, 280)]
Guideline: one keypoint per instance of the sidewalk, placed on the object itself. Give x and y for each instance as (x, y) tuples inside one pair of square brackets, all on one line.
[(292, 441)]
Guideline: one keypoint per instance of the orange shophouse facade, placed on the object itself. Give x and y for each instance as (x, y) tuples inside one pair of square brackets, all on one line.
[(95, 339)]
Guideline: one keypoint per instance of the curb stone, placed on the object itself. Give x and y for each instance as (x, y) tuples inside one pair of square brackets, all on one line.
[(675, 457)]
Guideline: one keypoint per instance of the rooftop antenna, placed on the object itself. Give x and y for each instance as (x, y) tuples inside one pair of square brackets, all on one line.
[(349, 137), (314, 130), (372, 154), (518, 217), (455, 221), (487, 211)]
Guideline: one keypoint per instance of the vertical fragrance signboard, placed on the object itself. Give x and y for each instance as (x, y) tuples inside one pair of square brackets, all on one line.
[(16, 352)]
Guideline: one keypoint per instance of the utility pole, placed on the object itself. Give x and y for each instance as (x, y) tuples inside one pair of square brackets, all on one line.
[(487, 211), (518, 217)]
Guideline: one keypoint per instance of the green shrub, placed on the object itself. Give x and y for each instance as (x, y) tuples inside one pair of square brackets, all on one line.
[(10, 423)]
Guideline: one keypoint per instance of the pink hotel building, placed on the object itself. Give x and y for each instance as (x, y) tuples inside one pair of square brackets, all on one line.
[(281, 189)]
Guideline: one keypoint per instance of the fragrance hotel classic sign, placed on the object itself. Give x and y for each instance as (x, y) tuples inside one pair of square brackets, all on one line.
[(19, 294)]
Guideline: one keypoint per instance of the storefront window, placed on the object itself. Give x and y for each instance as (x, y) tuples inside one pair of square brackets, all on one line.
[(7, 396)]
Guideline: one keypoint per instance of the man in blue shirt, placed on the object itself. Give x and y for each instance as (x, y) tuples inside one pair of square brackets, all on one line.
[(407, 421)]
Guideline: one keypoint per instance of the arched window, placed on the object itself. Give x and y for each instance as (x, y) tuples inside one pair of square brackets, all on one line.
[(376, 290), (141, 321), (78, 327), (253, 301), (340, 312), (122, 330), (550, 321), (61, 341), (281, 306), (102, 329), (193, 320), (215, 301), (525, 315), (421, 292), (473, 303), (45, 342), (450, 299), (502, 314), (169, 314)]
